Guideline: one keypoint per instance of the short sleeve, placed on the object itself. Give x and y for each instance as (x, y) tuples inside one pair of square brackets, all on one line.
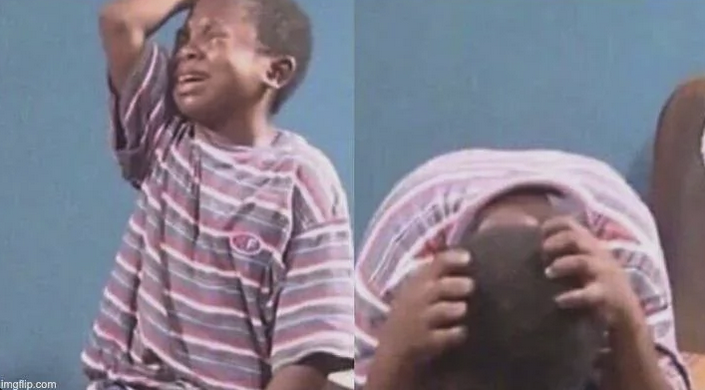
[(315, 308), (141, 112)]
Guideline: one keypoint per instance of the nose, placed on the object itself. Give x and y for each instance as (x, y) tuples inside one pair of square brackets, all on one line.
[(189, 51)]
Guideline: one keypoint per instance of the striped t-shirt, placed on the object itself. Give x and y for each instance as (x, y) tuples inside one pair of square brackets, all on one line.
[(236, 261), (421, 214)]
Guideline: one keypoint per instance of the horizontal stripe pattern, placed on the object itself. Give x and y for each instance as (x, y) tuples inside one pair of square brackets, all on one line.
[(236, 261), (421, 211)]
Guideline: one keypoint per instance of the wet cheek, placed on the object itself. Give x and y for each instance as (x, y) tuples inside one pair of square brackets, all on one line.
[(231, 68)]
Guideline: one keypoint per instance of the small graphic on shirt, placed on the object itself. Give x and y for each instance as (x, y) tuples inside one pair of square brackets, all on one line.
[(246, 244)]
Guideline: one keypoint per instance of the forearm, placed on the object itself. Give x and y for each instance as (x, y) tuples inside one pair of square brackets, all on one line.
[(125, 26), (143, 17), (635, 363), (390, 371)]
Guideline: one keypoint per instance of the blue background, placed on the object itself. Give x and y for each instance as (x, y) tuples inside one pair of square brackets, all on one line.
[(62, 205), (584, 76)]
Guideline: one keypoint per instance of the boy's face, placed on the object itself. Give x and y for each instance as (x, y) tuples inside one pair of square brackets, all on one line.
[(220, 66)]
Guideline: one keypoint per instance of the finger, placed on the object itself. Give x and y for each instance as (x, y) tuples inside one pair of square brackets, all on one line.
[(561, 243), (420, 267), (450, 337), (557, 224), (590, 296), (443, 314), (572, 265), (454, 287), (568, 242), (452, 262)]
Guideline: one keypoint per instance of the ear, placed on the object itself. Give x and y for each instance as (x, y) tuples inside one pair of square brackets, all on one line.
[(280, 72)]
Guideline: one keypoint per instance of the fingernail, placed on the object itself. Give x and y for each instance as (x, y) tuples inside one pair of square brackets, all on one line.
[(563, 301), (560, 302), (470, 287), (550, 273), (464, 257)]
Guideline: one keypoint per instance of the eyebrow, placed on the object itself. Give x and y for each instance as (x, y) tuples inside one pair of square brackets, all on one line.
[(212, 24)]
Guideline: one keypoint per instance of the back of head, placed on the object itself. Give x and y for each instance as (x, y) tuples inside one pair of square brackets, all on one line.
[(518, 337)]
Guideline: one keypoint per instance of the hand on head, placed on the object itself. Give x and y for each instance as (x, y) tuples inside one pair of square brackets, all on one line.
[(605, 286), (435, 312), (577, 253), (427, 312)]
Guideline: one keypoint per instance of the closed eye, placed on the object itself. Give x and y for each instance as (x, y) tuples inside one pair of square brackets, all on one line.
[(214, 34), (182, 37)]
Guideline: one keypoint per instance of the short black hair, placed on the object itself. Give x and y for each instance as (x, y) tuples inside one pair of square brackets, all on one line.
[(284, 28), (517, 334)]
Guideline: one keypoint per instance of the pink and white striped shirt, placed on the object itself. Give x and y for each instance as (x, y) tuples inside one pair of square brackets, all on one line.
[(419, 216), (236, 262)]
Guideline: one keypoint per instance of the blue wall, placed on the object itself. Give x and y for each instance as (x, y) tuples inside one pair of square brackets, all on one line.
[(62, 205), (586, 76)]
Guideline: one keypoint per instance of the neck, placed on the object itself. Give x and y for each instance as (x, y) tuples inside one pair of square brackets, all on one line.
[(242, 128)]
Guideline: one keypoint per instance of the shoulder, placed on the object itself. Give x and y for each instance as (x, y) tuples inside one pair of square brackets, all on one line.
[(601, 178), (416, 205), (317, 183), (421, 185), (588, 164), (312, 166)]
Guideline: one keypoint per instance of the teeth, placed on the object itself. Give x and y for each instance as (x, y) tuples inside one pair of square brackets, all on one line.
[(188, 78)]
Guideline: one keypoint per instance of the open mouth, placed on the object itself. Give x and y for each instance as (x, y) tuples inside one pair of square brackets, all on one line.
[(187, 80), (192, 77)]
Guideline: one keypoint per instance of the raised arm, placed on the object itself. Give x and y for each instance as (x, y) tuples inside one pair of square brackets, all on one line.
[(139, 73), (125, 26)]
